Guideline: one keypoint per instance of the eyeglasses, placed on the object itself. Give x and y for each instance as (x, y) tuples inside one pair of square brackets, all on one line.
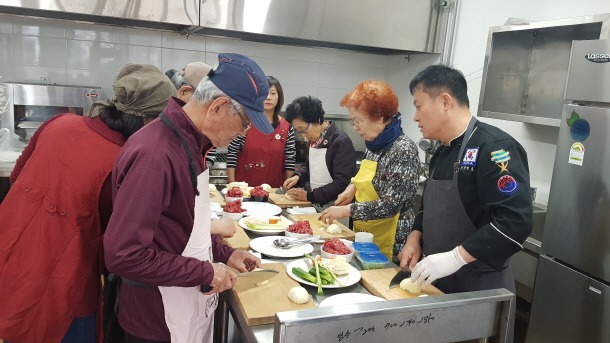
[(303, 131), (246, 123), (353, 123)]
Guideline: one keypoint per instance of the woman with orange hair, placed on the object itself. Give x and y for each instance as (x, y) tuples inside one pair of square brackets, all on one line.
[(386, 184)]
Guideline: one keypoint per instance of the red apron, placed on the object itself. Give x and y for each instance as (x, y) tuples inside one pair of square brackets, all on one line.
[(262, 160)]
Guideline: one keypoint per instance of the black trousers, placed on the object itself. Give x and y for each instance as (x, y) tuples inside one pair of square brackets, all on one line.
[(113, 332)]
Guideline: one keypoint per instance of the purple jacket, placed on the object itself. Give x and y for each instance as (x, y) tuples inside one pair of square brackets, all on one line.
[(152, 221)]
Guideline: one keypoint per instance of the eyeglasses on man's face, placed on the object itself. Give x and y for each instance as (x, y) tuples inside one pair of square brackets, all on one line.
[(303, 131), (246, 123), (353, 123)]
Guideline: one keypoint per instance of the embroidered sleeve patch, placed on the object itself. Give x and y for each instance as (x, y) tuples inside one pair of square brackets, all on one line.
[(507, 185), (470, 157), (500, 158)]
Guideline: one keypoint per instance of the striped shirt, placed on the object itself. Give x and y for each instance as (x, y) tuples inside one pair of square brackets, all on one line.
[(237, 145)]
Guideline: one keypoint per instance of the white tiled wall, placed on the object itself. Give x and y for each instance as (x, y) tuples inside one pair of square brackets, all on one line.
[(91, 55)]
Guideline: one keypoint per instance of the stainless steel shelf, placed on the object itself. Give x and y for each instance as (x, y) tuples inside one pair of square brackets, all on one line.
[(521, 118)]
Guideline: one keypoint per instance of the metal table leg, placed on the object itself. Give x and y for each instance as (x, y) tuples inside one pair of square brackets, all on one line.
[(221, 321)]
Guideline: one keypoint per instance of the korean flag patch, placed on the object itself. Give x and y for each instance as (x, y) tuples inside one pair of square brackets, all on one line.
[(470, 157)]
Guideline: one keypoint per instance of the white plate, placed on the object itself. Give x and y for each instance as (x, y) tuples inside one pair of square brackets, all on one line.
[(266, 232), (350, 279), (264, 245), (261, 209), (349, 299), (225, 190)]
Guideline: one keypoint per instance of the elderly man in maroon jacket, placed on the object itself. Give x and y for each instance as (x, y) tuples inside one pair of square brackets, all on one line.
[(158, 238)]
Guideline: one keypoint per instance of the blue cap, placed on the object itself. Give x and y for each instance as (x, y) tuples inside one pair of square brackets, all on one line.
[(245, 82)]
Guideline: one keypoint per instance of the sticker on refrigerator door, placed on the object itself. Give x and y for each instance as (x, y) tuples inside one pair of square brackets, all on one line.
[(573, 117), (577, 154), (580, 130)]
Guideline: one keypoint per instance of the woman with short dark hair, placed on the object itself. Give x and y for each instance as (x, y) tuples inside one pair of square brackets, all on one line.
[(332, 158)]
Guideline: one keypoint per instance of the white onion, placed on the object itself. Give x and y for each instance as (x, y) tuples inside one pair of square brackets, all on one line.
[(334, 228), (409, 286), (298, 295)]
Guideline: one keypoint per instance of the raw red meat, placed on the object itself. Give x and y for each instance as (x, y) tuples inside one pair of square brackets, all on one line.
[(301, 227), (235, 192), (258, 191), (335, 246), (234, 207)]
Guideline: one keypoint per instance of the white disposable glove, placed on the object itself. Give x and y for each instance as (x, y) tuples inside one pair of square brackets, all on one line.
[(437, 266)]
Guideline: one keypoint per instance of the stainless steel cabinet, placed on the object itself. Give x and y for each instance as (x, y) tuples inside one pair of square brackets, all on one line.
[(568, 306)]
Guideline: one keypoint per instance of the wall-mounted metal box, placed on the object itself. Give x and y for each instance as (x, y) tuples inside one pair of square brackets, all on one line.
[(526, 67)]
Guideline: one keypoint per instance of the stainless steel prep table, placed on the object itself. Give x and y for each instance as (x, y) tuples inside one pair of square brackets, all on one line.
[(265, 333)]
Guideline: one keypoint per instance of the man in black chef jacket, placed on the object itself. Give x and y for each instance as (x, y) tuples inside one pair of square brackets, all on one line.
[(476, 209)]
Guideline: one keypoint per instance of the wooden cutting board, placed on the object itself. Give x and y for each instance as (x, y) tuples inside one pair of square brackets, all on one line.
[(282, 202), (259, 304), (316, 225), (215, 196), (239, 241), (377, 281)]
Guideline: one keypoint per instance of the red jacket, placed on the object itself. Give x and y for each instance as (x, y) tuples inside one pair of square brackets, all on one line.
[(50, 231)]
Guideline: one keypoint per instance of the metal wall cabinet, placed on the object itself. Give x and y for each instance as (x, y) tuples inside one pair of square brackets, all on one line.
[(526, 67), (390, 26), (145, 13)]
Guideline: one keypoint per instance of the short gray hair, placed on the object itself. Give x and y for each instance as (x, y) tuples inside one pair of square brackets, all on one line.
[(179, 81), (207, 91)]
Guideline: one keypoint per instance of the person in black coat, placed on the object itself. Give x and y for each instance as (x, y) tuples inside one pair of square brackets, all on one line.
[(332, 158)]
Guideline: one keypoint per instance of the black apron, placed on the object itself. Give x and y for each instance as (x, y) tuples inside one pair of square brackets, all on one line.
[(447, 225)]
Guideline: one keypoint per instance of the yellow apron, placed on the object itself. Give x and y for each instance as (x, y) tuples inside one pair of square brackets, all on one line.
[(384, 230)]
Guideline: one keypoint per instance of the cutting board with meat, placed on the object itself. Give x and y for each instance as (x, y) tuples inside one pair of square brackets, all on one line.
[(316, 226), (239, 241), (282, 200), (259, 304), (378, 280)]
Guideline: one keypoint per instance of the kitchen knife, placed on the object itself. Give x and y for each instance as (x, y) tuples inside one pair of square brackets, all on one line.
[(251, 278), (401, 275), (281, 190), (257, 276)]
